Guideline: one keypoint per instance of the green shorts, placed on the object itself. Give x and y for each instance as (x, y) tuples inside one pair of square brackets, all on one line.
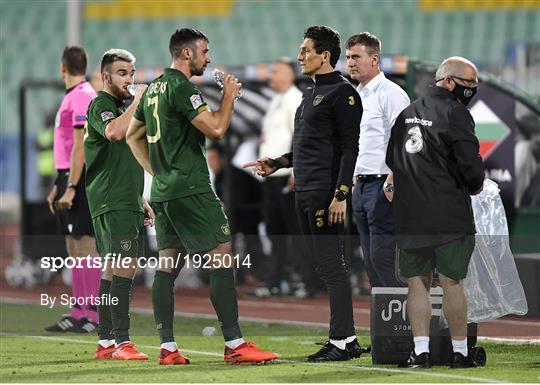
[(196, 223), (120, 232), (451, 259)]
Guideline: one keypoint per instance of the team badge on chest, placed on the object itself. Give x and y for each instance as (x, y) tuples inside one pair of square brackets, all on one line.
[(125, 245), (318, 99)]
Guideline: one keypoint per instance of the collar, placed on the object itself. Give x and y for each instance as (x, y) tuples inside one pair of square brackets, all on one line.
[(117, 101), (75, 86), (372, 85), (439, 91), (175, 72), (329, 78)]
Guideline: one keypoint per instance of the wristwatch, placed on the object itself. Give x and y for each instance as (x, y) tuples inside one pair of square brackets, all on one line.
[(72, 185), (388, 187), (341, 193)]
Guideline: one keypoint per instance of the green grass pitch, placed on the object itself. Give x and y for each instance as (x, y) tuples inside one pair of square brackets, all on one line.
[(28, 355)]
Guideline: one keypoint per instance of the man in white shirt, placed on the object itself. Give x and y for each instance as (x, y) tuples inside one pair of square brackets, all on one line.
[(383, 100), (278, 197)]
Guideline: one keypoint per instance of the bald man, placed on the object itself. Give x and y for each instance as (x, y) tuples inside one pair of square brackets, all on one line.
[(434, 156)]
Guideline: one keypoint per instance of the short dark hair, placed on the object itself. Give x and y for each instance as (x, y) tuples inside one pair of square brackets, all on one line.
[(182, 38), (371, 42), (75, 60), (114, 55), (325, 39)]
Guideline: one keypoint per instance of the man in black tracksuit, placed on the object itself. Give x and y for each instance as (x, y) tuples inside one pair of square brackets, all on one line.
[(434, 156), (325, 147)]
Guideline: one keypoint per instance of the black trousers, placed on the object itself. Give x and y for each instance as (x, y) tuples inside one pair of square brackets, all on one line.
[(284, 232), (326, 250), (77, 220)]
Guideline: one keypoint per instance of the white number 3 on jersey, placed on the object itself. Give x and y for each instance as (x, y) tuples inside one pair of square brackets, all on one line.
[(415, 142)]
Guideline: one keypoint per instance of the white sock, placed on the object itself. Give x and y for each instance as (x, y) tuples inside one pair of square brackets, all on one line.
[(233, 344), (460, 346), (106, 343), (339, 343), (122, 343), (350, 339), (170, 346), (421, 345)]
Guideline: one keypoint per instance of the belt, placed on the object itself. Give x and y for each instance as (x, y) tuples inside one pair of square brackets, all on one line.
[(370, 178)]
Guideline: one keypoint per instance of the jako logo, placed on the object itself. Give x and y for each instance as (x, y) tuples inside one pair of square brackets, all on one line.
[(394, 306)]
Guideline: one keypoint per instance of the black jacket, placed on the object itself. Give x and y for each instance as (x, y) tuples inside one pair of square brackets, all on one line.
[(434, 155), (326, 132)]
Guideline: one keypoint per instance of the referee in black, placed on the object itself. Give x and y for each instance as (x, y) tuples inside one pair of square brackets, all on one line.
[(325, 147)]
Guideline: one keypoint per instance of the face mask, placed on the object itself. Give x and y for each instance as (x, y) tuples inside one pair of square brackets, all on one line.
[(464, 94)]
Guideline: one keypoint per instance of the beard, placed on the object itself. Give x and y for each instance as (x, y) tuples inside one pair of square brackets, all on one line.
[(196, 71), (119, 92)]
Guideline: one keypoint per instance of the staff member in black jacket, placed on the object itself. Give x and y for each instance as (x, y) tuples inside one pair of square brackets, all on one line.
[(324, 153), (434, 155)]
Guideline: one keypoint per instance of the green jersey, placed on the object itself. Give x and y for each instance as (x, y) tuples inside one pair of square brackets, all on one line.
[(114, 179), (177, 148)]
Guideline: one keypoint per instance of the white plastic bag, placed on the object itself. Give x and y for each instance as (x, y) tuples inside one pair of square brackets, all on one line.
[(492, 286)]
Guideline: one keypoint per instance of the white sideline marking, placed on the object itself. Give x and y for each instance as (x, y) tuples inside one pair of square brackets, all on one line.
[(368, 368), (138, 310)]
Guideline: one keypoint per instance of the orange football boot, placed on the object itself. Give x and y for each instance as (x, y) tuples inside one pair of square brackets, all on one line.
[(247, 352), (167, 357), (128, 351), (103, 353)]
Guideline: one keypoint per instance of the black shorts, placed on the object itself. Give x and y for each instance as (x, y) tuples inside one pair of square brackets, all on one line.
[(75, 221)]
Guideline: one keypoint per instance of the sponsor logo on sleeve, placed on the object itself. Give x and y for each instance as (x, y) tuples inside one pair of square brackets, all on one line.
[(106, 115), (196, 101), (80, 118)]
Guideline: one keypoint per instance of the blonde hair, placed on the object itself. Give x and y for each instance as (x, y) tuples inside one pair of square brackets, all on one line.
[(116, 54)]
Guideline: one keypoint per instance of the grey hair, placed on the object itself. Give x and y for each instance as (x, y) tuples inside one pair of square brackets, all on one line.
[(453, 66)]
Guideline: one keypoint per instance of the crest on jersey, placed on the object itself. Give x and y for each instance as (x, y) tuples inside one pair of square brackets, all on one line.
[(318, 99), (225, 229), (125, 244)]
